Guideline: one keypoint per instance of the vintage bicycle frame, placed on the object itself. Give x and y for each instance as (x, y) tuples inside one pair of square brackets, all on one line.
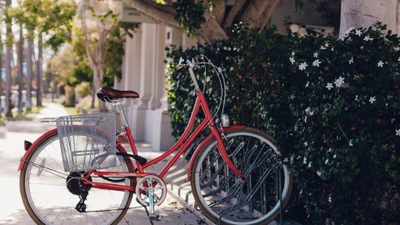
[(182, 144)]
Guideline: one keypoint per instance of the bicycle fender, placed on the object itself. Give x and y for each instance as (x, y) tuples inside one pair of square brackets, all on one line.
[(204, 143), (37, 141)]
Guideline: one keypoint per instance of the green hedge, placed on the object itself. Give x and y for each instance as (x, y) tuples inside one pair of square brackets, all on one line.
[(332, 104)]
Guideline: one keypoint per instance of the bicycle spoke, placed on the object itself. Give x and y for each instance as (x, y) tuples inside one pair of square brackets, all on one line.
[(48, 199)]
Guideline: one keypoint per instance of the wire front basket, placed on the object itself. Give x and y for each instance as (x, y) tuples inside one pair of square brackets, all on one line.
[(87, 141)]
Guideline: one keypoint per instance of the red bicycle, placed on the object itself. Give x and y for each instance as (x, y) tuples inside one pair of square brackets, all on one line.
[(78, 173)]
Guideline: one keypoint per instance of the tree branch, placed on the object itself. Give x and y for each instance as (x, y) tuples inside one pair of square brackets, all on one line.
[(218, 10), (266, 15), (233, 13), (255, 10), (211, 30), (87, 41)]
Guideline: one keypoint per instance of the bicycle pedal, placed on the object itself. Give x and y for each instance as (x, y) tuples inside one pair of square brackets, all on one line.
[(155, 217)]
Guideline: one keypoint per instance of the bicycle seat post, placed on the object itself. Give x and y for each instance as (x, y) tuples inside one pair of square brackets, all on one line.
[(117, 106)]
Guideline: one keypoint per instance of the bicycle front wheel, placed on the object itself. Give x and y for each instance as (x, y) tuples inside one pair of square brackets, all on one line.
[(224, 198), (48, 200)]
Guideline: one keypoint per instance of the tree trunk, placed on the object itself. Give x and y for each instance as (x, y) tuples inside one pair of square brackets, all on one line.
[(364, 13), (8, 69), (29, 75), (93, 95), (20, 79), (53, 86), (219, 20), (102, 105), (98, 75), (39, 73)]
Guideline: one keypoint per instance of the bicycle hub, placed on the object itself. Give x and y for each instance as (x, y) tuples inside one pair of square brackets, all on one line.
[(75, 185)]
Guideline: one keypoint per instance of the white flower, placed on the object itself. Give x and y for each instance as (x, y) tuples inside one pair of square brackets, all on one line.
[(308, 83), (350, 143), (380, 64), (303, 66), (305, 145), (291, 97), (398, 132), (398, 59), (330, 198), (326, 161), (359, 33), (309, 111), (372, 100), (357, 98), (319, 173), (329, 86), (315, 54), (316, 63), (309, 164), (292, 60), (305, 160), (339, 82), (348, 31), (351, 61), (367, 38), (286, 160), (334, 156), (393, 120), (292, 53)]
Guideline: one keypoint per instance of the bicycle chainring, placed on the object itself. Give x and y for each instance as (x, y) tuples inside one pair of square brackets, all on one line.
[(148, 184)]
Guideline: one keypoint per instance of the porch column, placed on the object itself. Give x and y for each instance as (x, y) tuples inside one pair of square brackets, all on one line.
[(162, 137), (142, 69), (157, 77)]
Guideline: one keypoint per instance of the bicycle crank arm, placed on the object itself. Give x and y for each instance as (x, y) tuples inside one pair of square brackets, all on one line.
[(152, 214)]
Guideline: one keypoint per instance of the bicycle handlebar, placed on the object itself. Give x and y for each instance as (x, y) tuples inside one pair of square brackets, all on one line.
[(190, 65)]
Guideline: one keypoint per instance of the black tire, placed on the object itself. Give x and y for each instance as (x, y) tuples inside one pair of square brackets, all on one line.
[(223, 198), (47, 199)]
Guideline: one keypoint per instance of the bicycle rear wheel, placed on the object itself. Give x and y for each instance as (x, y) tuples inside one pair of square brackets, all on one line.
[(224, 198), (43, 186)]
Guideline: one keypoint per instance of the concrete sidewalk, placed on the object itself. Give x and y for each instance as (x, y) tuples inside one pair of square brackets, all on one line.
[(12, 210)]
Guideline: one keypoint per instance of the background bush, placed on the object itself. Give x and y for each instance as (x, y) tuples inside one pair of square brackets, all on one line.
[(332, 104)]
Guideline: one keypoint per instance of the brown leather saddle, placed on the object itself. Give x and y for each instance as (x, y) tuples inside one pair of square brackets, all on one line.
[(107, 94)]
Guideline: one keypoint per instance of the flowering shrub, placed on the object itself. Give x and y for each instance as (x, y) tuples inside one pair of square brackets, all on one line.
[(332, 104)]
